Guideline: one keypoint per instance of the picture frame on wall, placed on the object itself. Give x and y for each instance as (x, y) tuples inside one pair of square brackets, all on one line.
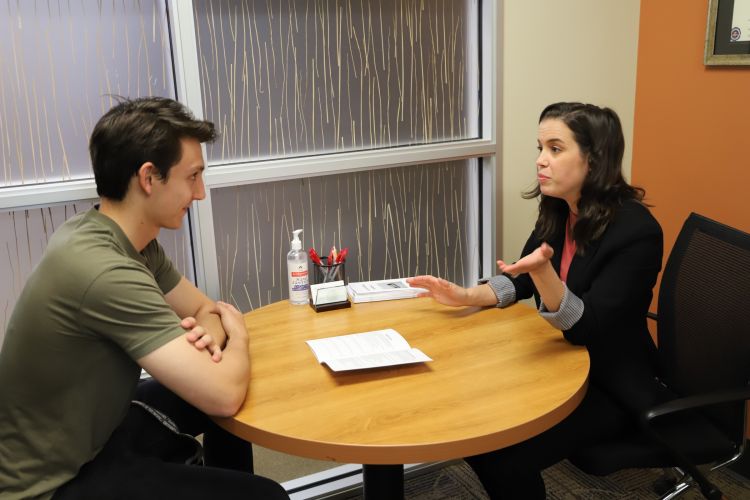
[(727, 33)]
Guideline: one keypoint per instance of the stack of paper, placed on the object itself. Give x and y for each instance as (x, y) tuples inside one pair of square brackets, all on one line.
[(371, 291), (366, 350)]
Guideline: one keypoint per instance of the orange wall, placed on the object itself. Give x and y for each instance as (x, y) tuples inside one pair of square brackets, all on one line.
[(692, 122)]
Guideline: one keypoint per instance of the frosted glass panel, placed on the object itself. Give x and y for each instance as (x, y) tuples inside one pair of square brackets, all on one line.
[(177, 246), (295, 77), (24, 235), (59, 61), (396, 222)]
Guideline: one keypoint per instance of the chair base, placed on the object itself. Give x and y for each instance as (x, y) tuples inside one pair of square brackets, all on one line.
[(677, 490), (674, 482), (665, 483)]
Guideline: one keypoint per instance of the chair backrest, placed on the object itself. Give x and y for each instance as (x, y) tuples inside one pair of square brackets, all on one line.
[(704, 315)]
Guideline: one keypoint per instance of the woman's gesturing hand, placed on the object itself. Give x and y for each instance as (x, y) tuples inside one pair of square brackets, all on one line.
[(441, 290), (529, 263)]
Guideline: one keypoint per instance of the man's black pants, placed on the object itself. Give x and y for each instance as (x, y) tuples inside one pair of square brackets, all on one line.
[(132, 464)]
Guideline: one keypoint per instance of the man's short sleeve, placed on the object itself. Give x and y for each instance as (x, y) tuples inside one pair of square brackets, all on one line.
[(126, 306), (165, 274)]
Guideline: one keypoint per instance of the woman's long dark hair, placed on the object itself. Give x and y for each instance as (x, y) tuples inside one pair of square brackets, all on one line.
[(598, 133)]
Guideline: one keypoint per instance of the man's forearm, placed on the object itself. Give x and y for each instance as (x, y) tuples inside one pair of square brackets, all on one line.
[(237, 350), (235, 366)]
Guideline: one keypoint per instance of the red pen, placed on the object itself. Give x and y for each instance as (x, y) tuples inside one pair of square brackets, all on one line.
[(331, 256), (342, 255), (314, 257)]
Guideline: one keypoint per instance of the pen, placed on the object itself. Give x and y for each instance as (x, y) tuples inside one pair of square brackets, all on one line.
[(342, 255), (314, 257), (331, 256), (333, 268)]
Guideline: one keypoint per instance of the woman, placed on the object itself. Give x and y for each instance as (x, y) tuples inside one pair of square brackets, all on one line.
[(590, 263)]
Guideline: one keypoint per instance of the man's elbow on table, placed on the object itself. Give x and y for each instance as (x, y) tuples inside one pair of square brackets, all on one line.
[(227, 405)]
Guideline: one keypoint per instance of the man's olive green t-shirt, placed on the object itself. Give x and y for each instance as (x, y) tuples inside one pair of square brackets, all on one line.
[(92, 306)]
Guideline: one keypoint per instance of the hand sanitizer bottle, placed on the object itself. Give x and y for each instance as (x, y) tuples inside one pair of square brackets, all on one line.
[(296, 261)]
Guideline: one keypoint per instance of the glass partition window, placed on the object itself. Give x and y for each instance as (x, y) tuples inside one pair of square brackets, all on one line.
[(396, 222), (61, 61), (295, 77), (178, 247)]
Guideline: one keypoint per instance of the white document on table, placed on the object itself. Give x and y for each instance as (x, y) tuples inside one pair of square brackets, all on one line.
[(358, 351)]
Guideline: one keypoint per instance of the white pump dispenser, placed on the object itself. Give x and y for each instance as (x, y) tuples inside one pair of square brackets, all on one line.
[(296, 261)]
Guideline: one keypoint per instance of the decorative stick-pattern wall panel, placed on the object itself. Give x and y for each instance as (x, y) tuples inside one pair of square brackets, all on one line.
[(60, 60), (396, 222), (293, 77)]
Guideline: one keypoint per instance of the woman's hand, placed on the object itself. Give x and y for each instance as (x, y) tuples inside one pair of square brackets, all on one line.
[(538, 265), (441, 290), (530, 263)]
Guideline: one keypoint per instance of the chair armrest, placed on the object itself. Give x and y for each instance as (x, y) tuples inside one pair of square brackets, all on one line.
[(698, 401)]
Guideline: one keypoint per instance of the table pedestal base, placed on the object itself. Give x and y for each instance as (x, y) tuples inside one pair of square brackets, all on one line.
[(383, 482)]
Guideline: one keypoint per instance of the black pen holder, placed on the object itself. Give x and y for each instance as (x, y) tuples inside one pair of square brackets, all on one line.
[(323, 273)]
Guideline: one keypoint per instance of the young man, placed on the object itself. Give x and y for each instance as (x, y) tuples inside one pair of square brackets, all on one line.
[(103, 303)]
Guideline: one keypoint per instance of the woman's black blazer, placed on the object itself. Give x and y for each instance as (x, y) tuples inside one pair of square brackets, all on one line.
[(615, 279)]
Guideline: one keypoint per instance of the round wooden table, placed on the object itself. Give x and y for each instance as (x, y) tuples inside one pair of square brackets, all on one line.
[(498, 377)]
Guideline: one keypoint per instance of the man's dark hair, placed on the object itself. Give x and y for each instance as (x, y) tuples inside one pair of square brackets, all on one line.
[(598, 133), (136, 131)]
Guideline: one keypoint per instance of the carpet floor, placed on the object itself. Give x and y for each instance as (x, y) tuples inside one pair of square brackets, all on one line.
[(565, 482)]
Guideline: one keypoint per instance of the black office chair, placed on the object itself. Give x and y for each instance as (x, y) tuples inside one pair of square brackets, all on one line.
[(704, 354)]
